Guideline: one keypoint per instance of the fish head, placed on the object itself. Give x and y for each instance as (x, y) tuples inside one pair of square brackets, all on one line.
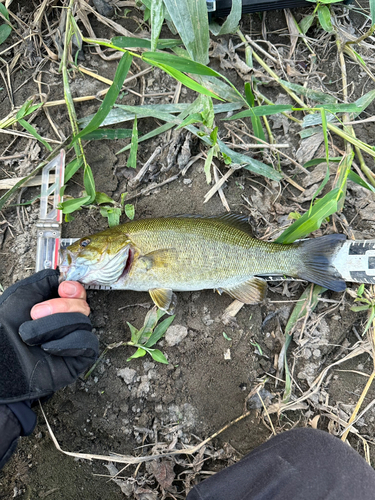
[(96, 260)]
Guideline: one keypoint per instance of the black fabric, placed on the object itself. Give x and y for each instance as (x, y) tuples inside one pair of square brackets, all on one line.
[(302, 464), (25, 415), (38, 357), (10, 431)]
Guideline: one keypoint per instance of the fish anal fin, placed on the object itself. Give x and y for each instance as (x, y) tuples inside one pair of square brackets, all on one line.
[(158, 258), (164, 299), (251, 291)]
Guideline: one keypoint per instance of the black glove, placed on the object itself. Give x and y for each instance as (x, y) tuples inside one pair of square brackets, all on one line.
[(38, 357)]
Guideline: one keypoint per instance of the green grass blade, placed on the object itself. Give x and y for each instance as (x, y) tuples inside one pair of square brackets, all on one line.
[(71, 168), (249, 163), (89, 183), (372, 11), (34, 133), (318, 161), (255, 120), (182, 64), (312, 220), (230, 25), (185, 80), (314, 95), (132, 42), (157, 18), (109, 133), (191, 21), (132, 160), (266, 110), (111, 96), (352, 176)]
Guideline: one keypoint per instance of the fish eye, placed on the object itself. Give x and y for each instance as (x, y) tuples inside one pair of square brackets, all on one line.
[(85, 242)]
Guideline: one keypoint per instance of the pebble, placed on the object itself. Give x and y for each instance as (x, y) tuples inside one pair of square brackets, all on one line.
[(127, 374), (175, 334)]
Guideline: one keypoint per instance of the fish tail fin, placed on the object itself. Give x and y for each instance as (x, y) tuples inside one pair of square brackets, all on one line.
[(317, 267)]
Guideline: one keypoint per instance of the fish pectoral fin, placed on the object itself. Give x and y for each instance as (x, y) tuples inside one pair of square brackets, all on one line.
[(158, 258), (251, 291), (164, 298)]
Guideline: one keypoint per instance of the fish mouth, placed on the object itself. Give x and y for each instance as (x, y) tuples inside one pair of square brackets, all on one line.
[(106, 271)]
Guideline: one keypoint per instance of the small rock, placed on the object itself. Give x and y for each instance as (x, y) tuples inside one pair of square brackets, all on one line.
[(227, 354), (127, 374), (175, 334), (104, 8)]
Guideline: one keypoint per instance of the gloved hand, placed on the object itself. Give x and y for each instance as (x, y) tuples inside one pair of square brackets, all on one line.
[(40, 356)]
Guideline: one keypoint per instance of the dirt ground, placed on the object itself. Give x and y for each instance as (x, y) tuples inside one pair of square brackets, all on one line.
[(140, 407)]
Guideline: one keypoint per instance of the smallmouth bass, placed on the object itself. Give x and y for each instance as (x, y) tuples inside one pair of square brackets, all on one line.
[(194, 253)]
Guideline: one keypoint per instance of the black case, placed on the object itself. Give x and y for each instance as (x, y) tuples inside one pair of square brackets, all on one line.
[(223, 7)]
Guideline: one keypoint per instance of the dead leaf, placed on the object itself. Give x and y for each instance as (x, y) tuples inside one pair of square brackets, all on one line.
[(308, 147), (163, 472)]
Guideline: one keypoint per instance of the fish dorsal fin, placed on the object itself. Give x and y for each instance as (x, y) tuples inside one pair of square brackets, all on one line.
[(251, 291), (158, 258), (237, 221), (164, 299)]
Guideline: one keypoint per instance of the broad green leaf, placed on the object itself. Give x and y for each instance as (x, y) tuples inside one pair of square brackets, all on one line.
[(159, 331), (249, 163), (191, 21), (306, 23), (71, 168), (133, 332), (113, 215), (4, 11), (312, 219), (207, 164), (352, 176), (34, 133), (182, 64), (324, 17), (230, 25), (157, 18), (101, 198), (139, 353), (159, 356), (266, 110), (129, 42), (5, 31), (361, 289), (132, 160), (89, 183), (109, 133), (314, 95), (111, 96), (70, 206), (129, 211)]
